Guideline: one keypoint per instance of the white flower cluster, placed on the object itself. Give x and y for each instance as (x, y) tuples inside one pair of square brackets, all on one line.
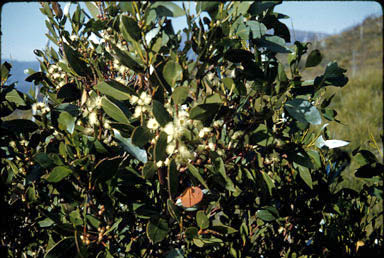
[(40, 108), (57, 75), (122, 69), (142, 103)]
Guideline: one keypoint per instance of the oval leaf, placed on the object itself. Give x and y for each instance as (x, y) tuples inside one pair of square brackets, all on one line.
[(66, 122), (161, 114), (202, 220), (115, 110), (115, 89), (141, 136), (314, 58), (303, 111), (58, 174), (180, 95), (157, 230), (172, 73)]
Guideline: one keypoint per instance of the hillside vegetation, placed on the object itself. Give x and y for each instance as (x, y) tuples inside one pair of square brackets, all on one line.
[(360, 103)]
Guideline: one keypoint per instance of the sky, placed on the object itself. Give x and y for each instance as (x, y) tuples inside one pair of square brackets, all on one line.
[(23, 28)]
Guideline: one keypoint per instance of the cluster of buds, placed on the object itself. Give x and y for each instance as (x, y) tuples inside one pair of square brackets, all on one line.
[(85, 238), (57, 75), (40, 108), (142, 103), (101, 231), (101, 210)]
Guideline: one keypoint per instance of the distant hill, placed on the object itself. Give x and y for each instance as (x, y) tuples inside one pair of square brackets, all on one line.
[(17, 73), (358, 49), (307, 36)]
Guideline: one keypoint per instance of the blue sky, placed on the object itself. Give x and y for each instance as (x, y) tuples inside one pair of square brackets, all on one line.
[(23, 28)]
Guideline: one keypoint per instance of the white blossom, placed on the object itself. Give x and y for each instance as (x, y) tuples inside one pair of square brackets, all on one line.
[(204, 131), (170, 148), (211, 145), (133, 99), (152, 124), (237, 134), (169, 129), (98, 102), (74, 37), (159, 163), (184, 152), (138, 111), (218, 123), (93, 119)]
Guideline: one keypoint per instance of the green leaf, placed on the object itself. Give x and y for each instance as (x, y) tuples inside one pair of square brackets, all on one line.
[(202, 220), (173, 179), (43, 160), (273, 43), (66, 122), (47, 222), (364, 157), (180, 95), (223, 229), (114, 226), (138, 153), (141, 136), (19, 126), (69, 92), (172, 73), (159, 151), (173, 210), (79, 66), (126, 59), (106, 169), (115, 89), (305, 175), (315, 156), (5, 69), (93, 221), (220, 168), (243, 31), (208, 6), (31, 194), (191, 233), (157, 230), (160, 113), (75, 218), (151, 35), (64, 246), (127, 7), (168, 9), (58, 174), (314, 58), (149, 170), (92, 9), (115, 110), (17, 98), (258, 29), (268, 181), (265, 215), (238, 56), (129, 28), (70, 108), (204, 111), (333, 75), (303, 111), (195, 172), (230, 84)]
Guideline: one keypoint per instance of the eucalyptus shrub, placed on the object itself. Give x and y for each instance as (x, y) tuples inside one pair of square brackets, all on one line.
[(139, 149)]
